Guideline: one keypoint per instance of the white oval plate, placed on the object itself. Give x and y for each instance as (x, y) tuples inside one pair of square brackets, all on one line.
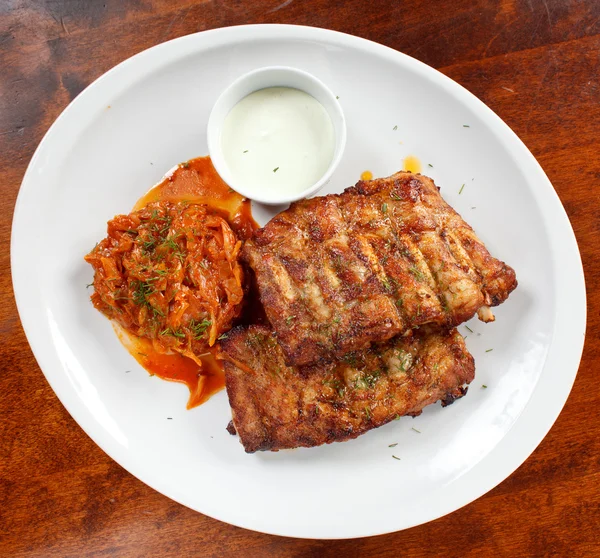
[(149, 113)]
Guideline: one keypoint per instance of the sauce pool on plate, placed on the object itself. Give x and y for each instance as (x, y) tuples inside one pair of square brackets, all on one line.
[(412, 164), (278, 138), (202, 382)]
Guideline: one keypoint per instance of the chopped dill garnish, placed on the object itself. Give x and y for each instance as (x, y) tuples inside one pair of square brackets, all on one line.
[(461, 189), (170, 243), (395, 196), (489, 350), (466, 126), (429, 165), (368, 413), (395, 128), (157, 312), (393, 445), (396, 457), (173, 333), (483, 386), (417, 431), (384, 208), (469, 328), (142, 290), (199, 328), (336, 385), (148, 245), (417, 273), (289, 319), (223, 336), (89, 285), (246, 151), (275, 169), (185, 165), (367, 380)]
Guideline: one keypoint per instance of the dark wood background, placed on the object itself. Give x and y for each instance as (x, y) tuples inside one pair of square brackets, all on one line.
[(534, 62)]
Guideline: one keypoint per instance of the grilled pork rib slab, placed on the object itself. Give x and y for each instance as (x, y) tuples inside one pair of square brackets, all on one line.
[(339, 272), (275, 406)]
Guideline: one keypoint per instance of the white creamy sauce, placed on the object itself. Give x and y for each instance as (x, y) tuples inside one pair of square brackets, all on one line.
[(278, 140)]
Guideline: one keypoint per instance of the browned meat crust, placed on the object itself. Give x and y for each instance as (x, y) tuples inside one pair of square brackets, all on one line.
[(338, 272), (276, 407)]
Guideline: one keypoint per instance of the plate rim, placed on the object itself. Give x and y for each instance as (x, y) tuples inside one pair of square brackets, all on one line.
[(178, 47)]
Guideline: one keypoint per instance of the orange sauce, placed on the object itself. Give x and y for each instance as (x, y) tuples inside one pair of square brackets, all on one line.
[(412, 164), (367, 175), (202, 381), (196, 181)]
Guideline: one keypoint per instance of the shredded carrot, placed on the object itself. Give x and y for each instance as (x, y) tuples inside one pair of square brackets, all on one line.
[(170, 272)]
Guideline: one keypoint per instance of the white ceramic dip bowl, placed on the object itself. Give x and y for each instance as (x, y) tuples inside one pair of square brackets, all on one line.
[(261, 79)]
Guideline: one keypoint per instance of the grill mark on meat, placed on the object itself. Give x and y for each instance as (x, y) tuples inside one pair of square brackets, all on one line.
[(397, 261), (421, 307), (372, 225), (383, 257), (462, 257), (456, 289), (354, 267), (277, 407), (310, 286), (298, 316)]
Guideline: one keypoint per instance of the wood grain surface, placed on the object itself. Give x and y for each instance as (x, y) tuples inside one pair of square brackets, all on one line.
[(536, 63)]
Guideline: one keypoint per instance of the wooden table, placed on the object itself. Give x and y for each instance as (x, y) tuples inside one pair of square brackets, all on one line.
[(534, 62)]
